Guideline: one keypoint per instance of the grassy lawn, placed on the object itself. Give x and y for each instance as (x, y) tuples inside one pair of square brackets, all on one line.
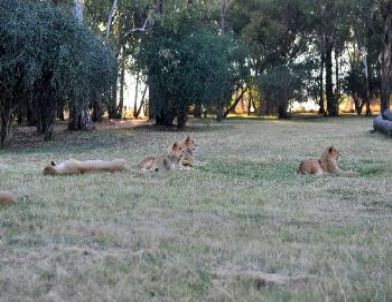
[(241, 226)]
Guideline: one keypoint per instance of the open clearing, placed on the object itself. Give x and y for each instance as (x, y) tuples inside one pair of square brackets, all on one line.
[(240, 226)]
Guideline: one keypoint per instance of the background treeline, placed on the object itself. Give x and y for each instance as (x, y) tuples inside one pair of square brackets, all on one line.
[(64, 58)]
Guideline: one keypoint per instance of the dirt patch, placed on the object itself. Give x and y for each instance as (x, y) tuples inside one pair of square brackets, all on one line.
[(121, 124), (24, 137)]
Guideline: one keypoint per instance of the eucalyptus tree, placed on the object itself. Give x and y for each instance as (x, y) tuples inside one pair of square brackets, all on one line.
[(46, 56), (385, 8), (274, 32), (187, 64), (121, 24)]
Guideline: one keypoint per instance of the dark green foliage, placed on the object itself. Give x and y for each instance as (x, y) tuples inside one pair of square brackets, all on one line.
[(189, 64), (46, 57), (282, 84)]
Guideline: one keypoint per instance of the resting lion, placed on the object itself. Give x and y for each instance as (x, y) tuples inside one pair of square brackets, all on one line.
[(328, 163), (6, 198), (189, 145), (75, 167), (166, 162)]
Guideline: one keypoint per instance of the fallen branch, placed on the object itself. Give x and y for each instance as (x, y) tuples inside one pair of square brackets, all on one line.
[(387, 115), (382, 125), (237, 100)]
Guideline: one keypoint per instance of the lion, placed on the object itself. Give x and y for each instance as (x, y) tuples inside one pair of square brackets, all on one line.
[(76, 167), (189, 146), (166, 162), (7, 198), (326, 164)]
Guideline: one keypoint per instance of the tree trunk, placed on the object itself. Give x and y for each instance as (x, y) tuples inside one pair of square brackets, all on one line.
[(136, 95), (78, 8), (50, 121), (60, 110), (165, 116), (5, 127), (337, 90), (109, 22), (80, 119), (331, 102), (141, 103), (113, 99), (122, 83), (45, 106), (31, 113), (237, 100), (154, 71), (97, 112), (182, 117), (282, 112), (223, 11), (250, 102), (358, 105), (46, 115), (386, 76), (321, 102), (197, 110), (220, 111), (367, 85), (152, 98), (20, 117)]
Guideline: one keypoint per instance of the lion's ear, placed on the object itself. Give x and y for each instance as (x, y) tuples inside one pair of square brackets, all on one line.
[(188, 139), (175, 145), (331, 149)]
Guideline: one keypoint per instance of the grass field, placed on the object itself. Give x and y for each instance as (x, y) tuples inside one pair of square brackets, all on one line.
[(241, 226)]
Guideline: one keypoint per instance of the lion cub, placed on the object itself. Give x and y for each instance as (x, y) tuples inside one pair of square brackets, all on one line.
[(326, 164), (165, 162), (189, 146), (6, 198), (75, 167)]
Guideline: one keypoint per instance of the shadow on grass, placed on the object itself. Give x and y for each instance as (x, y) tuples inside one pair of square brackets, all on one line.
[(199, 125)]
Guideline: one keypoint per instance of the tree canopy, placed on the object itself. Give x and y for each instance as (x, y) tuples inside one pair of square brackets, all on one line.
[(46, 57), (190, 54)]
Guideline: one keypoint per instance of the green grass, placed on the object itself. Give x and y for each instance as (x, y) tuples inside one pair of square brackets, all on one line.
[(240, 226)]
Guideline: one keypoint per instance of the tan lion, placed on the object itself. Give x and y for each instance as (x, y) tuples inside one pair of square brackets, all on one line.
[(75, 167), (189, 146), (6, 198), (328, 163), (165, 162)]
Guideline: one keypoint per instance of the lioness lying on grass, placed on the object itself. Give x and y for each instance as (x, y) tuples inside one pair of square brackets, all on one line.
[(6, 198), (75, 167), (164, 162), (328, 163)]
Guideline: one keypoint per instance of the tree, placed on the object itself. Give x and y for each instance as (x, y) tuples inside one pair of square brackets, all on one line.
[(48, 58), (187, 64), (276, 37), (18, 69), (282, 84), (386, 53)]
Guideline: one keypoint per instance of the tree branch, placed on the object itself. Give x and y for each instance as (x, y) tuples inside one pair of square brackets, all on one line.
[(237, 100)]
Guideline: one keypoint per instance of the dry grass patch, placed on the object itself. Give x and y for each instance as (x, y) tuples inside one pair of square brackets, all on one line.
[(241, 225)]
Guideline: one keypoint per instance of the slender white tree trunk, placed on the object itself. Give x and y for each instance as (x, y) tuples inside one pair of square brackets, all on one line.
[(110, 19), (386, 74), (78, 7)]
